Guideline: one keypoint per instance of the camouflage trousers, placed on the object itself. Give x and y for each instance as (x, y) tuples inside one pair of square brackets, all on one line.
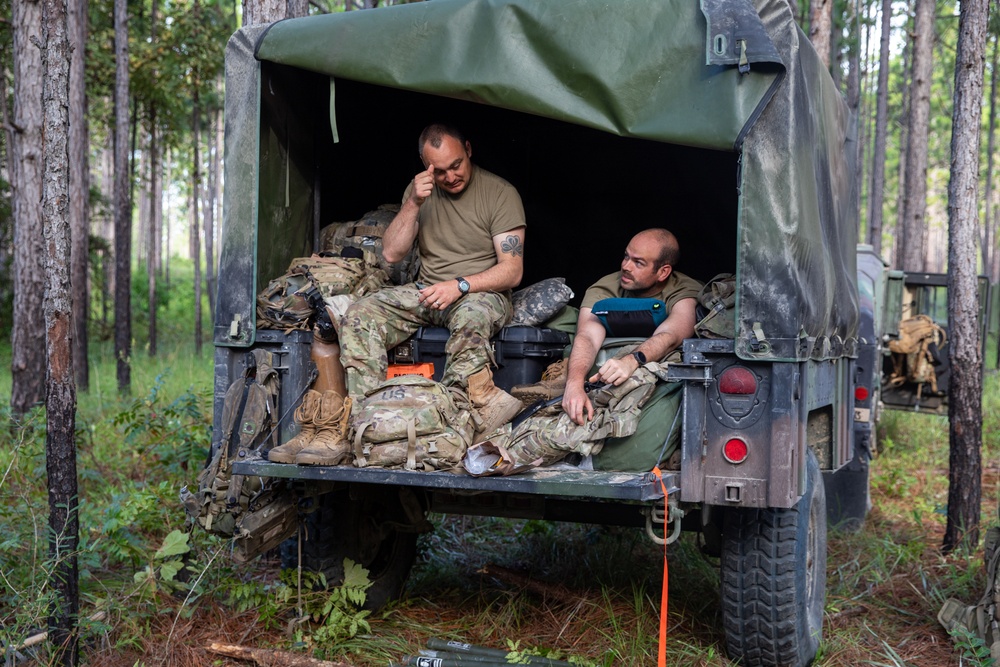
[(383, 320)]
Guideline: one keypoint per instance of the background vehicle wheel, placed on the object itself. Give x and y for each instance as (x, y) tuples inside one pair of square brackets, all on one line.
[(774, 579), (374, 526)]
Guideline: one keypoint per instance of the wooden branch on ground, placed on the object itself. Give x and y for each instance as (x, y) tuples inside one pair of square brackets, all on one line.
[(526, 582), (264, 657)]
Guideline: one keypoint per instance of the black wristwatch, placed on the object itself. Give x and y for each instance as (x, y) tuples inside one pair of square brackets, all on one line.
[(463, 285), (640, 357)]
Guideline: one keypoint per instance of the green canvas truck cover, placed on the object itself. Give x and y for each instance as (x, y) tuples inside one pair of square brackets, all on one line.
[(724, 75)]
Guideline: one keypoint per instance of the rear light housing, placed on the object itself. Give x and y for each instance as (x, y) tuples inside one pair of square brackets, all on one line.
[(735, 450)]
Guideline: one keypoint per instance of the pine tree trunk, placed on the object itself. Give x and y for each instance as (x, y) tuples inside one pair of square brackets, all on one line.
[(915, 197), (27, 357), (821, 28), (209, 210), (79, 194), (154, 195), (60, 400), (195, 241), (123, 213), (965, 388), (876, 198)]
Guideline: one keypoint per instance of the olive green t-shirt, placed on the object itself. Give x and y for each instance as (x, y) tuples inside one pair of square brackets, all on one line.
[(677, 287), (456, 231)]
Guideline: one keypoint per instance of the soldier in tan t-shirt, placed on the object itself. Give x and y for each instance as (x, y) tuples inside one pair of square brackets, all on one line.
[(646, 272), (468, 225)]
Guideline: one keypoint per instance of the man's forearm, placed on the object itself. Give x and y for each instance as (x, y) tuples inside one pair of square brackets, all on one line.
[(401, 232), (498, 278)]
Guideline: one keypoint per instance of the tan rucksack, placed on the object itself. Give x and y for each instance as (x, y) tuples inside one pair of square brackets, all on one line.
[(366, 235), (913, 353), (412, 422)]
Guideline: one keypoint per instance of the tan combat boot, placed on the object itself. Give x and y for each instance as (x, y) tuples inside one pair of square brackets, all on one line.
[(330, 446), (305, 416), (552, 384), (492, 406)]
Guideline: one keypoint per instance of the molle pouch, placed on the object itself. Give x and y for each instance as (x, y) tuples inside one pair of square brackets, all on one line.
[(625, 318)]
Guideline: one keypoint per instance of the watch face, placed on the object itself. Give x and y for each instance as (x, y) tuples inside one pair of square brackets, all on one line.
[(463, 286)]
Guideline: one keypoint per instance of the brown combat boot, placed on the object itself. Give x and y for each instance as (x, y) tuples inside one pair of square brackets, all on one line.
[(330, 446), (552, 384), (305, 415), (492, 406)]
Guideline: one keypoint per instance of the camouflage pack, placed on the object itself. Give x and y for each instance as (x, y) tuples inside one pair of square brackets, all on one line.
[(284, 303), (224, 502), (915, 352), (716, 308), (412, 422), (550, 435), (981, 620), (366, 235)]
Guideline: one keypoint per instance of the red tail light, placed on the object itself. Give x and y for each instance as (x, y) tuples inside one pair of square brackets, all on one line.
[(735, 450), (737, 380), (860, 393)]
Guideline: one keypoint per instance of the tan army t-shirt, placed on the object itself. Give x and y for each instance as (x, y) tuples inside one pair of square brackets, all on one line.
[(677, 287), (456, 231)]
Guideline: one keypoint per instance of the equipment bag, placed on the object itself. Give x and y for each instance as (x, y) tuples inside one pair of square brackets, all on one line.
[(412, 422), (623, 317), (366, 235), (983, 618), (915, 352), (286, 304), (716, 308), (248, 421)]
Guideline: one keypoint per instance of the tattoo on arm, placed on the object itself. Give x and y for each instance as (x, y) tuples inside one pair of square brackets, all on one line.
[(512, 246)]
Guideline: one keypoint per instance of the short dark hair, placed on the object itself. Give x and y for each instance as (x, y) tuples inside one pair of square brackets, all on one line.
[(435, 133), (670, 250)]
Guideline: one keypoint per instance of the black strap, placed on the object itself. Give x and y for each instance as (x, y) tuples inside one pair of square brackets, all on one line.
[(250, 376)]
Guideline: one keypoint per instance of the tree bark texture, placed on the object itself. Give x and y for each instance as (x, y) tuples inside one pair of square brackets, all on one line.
[(821, 28), (965, 387), (28, 357), (154, 195), (915, 195), (60, 394), (876, 196), (267, 11), (79, 190), (208, 211), (195, 240), (122, 206)]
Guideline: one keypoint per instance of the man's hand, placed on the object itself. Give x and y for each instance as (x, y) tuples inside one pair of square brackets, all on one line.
[(577, 404), (423, 185), (440, 295), (616, 371)]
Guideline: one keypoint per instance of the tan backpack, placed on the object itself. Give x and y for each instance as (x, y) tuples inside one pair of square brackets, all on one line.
[(412, 422)]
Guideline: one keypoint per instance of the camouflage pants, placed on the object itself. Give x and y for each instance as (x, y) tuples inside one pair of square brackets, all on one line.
[(383, 320)]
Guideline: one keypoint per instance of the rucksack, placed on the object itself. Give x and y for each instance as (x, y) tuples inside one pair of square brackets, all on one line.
[(550, 435), (224, 501), (285, 303), (915, 352), (412, 422), (366, 235), (983, 618), (715, 309)]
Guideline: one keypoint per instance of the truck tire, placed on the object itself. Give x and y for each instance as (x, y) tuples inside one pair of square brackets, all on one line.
[(773, 579), (367, 524)]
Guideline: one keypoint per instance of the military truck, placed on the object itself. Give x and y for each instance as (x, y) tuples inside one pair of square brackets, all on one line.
[(714, 119)]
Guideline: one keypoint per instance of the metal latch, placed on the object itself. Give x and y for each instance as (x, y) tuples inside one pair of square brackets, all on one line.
[(657, 515), (234, 326), (759, 342)]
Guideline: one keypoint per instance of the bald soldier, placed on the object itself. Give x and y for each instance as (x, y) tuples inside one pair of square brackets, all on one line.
[(646, 272)]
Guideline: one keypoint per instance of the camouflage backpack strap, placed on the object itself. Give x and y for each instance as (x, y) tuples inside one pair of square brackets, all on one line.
[(716, 308)]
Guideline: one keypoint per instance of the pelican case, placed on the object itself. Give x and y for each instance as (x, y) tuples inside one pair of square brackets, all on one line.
[(521, 353)]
